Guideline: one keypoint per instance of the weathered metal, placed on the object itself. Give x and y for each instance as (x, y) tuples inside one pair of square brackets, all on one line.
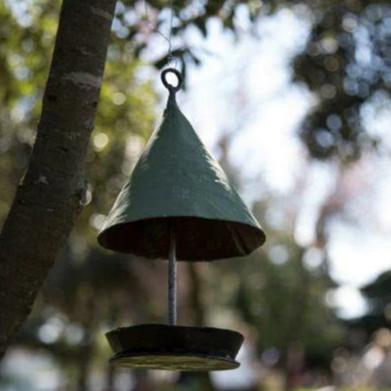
[(176, 184), (178, 204), (177, 348)]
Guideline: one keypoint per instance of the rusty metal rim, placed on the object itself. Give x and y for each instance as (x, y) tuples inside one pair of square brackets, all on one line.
[(161, 346), (204, 362)]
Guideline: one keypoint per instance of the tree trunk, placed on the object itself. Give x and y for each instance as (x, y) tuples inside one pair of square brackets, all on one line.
[(110, 378), (295, 353), (52, 193), (195, 294), (84, 363)]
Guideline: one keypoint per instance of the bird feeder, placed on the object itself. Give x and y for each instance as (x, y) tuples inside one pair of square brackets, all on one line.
[(178, 205)]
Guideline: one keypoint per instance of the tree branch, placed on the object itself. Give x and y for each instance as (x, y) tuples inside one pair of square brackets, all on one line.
[(51, 194)]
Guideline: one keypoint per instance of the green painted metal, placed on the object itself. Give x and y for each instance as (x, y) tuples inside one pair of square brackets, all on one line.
[(176, 184)]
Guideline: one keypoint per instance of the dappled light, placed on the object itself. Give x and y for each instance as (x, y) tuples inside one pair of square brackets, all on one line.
[(293, 100)]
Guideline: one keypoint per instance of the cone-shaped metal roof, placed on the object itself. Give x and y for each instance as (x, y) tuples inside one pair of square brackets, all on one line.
[(176, 184)]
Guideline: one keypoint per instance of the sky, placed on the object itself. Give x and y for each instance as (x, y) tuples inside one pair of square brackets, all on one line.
[(244, 88)]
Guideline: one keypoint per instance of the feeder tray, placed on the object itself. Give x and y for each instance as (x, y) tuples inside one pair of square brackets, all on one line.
[(175, 348), (178, 204)]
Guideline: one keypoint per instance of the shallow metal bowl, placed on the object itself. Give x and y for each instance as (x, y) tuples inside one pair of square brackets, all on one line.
[(176, 348)]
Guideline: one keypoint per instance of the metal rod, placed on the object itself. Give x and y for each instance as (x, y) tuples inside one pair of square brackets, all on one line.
[(172, 314)]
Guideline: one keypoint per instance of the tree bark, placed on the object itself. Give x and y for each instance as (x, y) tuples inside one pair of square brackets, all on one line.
[(52, 192)]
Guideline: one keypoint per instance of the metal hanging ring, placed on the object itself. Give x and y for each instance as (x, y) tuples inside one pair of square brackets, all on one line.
[(170, 87)]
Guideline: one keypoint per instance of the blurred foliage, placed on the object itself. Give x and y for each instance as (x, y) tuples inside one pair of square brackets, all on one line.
[(378, 314), (84, 285), (378, 293), (126, 110), (347, 62), (278, 295), (23, 72)]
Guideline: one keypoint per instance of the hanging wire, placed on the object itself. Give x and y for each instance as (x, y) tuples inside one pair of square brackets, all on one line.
[(168, 38), (170, 31), (172, 266)]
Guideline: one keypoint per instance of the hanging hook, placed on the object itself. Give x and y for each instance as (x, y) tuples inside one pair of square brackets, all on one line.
[(172, 88)]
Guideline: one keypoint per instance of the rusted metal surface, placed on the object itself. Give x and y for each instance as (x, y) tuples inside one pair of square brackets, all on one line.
[(180, 348), (174, 362)]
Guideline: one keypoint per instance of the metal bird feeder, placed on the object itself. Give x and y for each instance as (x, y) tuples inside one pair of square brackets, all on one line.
[(178, 204)]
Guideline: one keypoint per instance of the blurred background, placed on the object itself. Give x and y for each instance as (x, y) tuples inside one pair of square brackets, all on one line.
[(293, 98)]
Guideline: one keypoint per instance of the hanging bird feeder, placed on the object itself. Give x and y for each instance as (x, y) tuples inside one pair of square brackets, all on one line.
[(178, 204)]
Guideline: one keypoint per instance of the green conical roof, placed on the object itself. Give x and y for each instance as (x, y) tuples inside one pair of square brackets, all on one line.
[(176, 184)]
